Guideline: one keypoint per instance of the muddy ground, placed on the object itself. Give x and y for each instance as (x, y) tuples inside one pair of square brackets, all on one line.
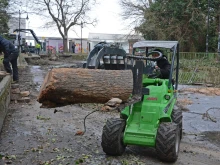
[(37, 136)]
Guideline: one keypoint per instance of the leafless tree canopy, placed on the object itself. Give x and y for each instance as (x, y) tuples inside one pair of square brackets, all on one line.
[(134, 10), (68, 13), (64, 14)]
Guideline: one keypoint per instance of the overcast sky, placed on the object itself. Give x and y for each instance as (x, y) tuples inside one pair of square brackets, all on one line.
[(109, 21)]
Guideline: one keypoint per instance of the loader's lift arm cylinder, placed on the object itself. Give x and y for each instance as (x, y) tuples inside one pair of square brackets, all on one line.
[(32, 32)]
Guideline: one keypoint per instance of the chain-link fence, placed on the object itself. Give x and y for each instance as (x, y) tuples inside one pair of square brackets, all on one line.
[(199, 68)]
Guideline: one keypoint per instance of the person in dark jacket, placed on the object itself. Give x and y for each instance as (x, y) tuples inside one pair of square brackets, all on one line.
[(162, 67), (73, 47), (10, 56)]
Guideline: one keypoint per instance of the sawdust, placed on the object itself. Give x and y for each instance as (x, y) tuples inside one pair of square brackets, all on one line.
[(184, 101), (205, 91), (182, 104)]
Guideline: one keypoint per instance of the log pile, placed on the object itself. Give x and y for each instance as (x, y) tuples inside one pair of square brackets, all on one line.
[(64, 86)]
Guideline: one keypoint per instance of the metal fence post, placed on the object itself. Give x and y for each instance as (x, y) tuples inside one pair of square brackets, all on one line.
[(207, 33)]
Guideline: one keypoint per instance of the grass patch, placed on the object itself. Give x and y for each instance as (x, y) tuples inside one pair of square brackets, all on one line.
[(80, 56), (38, 61)]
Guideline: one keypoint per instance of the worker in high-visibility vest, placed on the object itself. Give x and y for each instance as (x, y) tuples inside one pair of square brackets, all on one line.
[(38, 47)]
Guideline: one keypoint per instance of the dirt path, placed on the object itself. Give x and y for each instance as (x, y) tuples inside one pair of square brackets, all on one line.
[(32, 135)]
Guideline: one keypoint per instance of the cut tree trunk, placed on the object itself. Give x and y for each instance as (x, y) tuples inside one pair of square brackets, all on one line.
[(64, 86)]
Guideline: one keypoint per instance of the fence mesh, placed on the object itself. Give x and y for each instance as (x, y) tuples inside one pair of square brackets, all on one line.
[(199, 68)]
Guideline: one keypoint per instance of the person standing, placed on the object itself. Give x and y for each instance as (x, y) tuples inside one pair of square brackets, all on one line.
[(26, 48), (38, 47), (10, 56), (73, 47)]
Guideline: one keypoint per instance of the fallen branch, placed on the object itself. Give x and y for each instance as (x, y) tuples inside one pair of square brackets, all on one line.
[(206, 115)]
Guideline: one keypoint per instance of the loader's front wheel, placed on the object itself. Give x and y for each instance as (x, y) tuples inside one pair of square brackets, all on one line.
[(168, 141), (112, 137), (177, 118)]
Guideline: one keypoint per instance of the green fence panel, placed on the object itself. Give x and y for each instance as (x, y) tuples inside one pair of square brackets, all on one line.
[(199, 67)]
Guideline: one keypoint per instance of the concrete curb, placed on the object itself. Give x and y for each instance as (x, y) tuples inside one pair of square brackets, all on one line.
[(21, 61)]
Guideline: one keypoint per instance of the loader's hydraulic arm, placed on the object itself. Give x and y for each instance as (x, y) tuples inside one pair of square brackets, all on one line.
[(138, 90), (147, 56), (32, 32)]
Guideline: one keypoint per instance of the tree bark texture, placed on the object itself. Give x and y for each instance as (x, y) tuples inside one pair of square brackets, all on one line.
[(64, 86)]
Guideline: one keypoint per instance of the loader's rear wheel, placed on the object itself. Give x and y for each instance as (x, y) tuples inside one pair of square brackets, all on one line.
[(112, 137), (168, 141), (177, 118)]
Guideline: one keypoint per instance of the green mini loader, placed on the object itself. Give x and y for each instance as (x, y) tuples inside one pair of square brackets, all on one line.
[(148, 118)]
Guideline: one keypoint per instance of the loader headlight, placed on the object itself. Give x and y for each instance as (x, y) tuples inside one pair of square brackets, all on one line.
[(167, 97)]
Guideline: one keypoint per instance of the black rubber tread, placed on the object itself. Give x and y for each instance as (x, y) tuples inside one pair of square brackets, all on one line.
[(166, 141), (177, 118), (112, 137), (124, 117)]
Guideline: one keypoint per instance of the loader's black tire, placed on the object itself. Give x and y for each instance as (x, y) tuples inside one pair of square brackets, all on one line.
[(122, 116), (168, 141), (112, 137), (177, 118)]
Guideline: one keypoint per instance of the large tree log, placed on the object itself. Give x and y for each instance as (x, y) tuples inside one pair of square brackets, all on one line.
[(63, 86)]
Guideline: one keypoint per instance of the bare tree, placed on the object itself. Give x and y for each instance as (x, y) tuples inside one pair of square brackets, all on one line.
[(134, 11), (65, 14)]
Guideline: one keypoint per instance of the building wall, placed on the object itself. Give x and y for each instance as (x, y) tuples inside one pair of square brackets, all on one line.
[(57, 44), (78, 46), (126, 41)]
